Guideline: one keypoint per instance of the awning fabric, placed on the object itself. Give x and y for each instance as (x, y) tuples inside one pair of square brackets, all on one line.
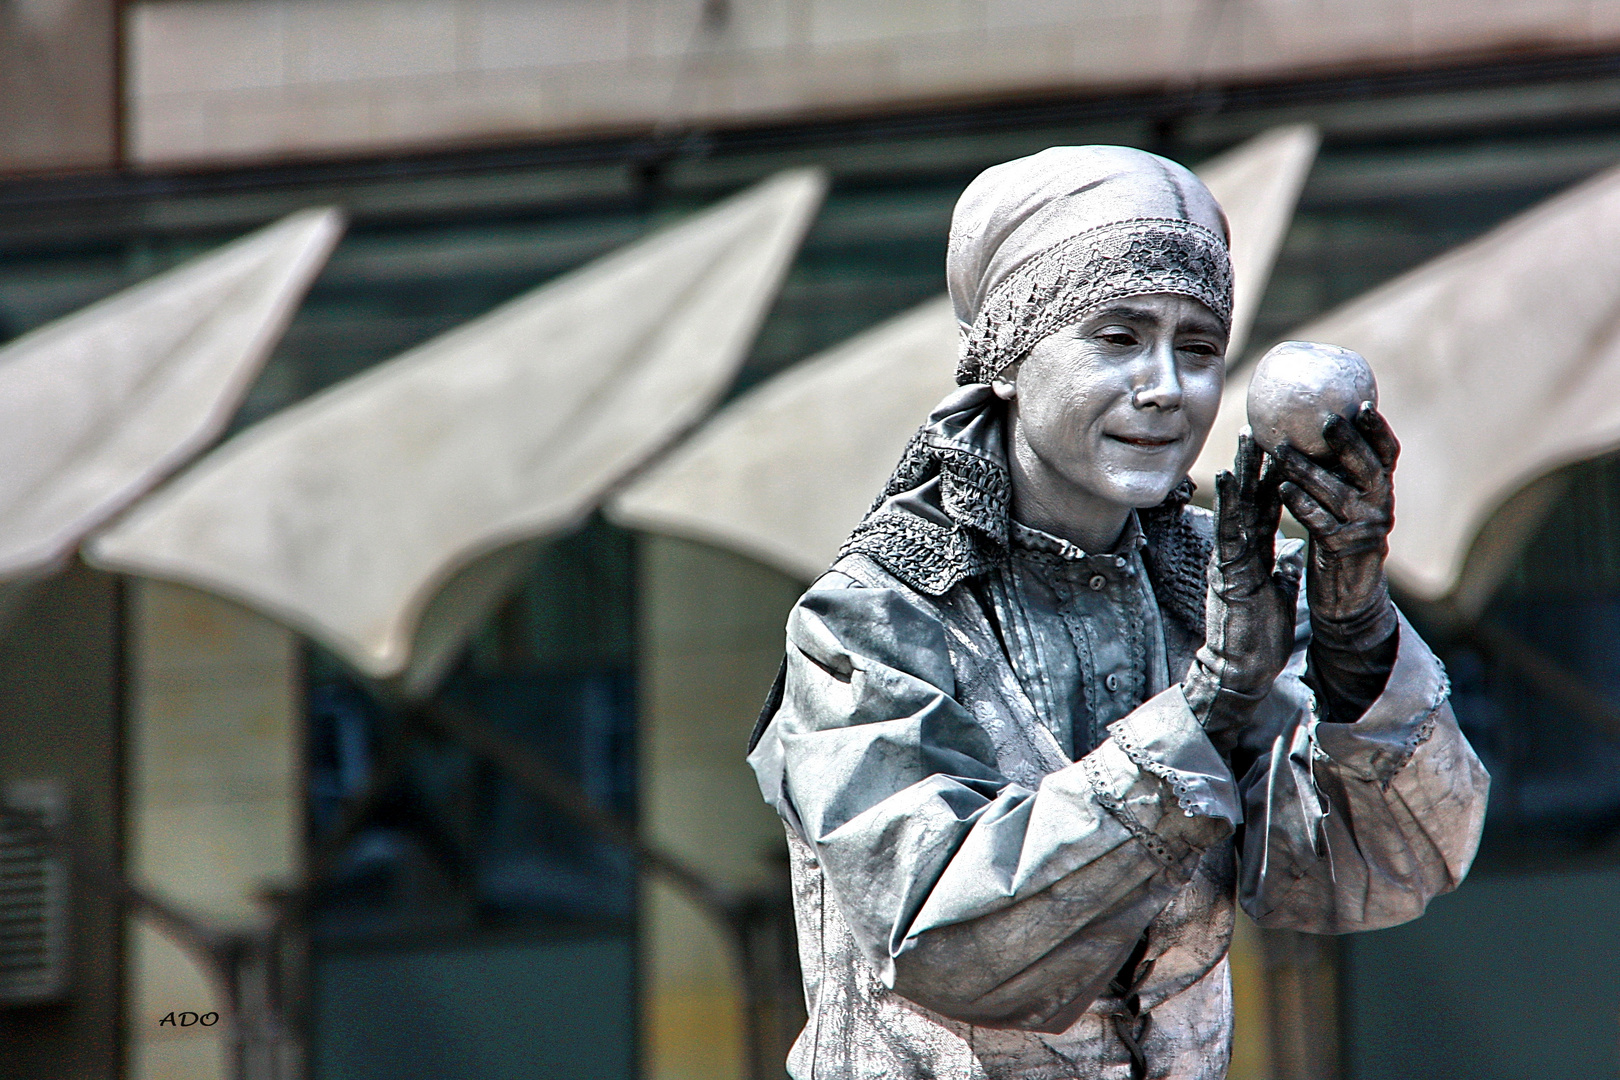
[(97, 407), (786, 471), (347, 515), (1258, 183), (1497, 363)]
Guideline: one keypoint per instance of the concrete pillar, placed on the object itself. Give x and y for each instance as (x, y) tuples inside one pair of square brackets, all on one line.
[(214, 810), (1302, 990), (1251, 1027), (711, 633)]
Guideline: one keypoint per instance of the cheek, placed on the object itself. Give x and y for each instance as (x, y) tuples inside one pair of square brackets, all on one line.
[(1201, 398), (1059, 406), (1066, 430)]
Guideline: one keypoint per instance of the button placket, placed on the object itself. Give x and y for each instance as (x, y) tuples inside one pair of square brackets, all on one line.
[(1096, 597)]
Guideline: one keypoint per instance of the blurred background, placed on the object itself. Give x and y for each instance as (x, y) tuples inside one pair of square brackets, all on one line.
[(397, 893)]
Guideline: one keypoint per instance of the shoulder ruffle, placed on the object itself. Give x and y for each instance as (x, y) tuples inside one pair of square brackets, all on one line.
[(943, 517)]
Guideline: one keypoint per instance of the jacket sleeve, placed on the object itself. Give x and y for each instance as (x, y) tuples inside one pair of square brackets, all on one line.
[(1356, 826), (972, 895)]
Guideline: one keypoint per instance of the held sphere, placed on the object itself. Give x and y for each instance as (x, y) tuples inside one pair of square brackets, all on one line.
[(1298, 386)]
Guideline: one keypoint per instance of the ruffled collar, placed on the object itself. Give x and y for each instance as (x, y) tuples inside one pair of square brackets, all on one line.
[(1029, 538), (944, 515)]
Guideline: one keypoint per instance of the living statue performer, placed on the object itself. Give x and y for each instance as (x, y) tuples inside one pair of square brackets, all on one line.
[(1042, 722)]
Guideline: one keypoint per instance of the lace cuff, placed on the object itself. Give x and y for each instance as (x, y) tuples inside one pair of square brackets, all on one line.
[(1400, 720), (1164, 739)]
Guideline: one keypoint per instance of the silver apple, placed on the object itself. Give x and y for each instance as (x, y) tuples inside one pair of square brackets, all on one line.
[(1298, 386)]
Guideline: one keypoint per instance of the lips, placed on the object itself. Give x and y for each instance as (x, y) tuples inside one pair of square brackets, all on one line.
[(1145, 442)]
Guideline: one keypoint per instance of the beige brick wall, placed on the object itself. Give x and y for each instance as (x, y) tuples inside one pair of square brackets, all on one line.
[(244, 79), (711, 639), (214, 800)]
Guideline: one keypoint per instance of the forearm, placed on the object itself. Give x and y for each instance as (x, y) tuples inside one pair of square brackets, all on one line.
[(1043, 893), (1349, 662), (1357, 826)]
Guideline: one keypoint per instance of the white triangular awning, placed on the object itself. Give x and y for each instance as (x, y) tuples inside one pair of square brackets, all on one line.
[(1258, 185), (99, 406), (785, 472), (1497, 363), (347, 515)]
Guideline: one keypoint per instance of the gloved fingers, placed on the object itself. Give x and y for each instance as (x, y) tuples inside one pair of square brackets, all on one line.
[(1307, 511), (1268, 500), (1268, 509), (1231, 536), (1379, 435), (1264, 504), (1328, 490), (1247, 465), (1290, 566), (1356, 455)]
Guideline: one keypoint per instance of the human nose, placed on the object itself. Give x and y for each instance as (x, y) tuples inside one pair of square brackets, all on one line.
[(1158, 384)]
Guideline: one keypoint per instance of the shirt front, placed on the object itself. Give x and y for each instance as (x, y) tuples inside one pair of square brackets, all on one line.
[(995, 789), (1083, 631)]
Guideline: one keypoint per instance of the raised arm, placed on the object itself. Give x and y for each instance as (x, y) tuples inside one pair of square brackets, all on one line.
[(982, 899), (1369, 802), (1357, 826)]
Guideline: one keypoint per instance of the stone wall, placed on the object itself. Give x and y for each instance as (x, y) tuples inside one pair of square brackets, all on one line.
[(58, 84), (245, 79), (711, 639), (214, 807)]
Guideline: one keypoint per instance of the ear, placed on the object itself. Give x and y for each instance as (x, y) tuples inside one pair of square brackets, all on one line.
[(1005, 385)]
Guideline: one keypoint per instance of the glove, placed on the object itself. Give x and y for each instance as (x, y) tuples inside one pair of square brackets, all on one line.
[(1249, 609), (1349, 511)]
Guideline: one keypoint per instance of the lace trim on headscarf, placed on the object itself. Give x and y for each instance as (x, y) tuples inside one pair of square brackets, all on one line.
[(976, 495), (1124, 258)]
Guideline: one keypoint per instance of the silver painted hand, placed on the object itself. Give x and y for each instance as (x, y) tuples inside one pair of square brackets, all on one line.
[(1250, 605), (1349, 509)]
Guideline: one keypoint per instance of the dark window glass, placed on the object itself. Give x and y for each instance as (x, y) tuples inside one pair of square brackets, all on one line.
[(1555, 772), (456, 842)]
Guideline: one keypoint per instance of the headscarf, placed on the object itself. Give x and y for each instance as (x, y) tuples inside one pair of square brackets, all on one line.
[(1038, 241)]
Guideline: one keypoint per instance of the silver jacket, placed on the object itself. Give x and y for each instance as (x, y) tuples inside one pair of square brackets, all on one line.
[(993, 786)]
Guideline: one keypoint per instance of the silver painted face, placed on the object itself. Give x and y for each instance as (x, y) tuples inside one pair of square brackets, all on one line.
[(1111, 412)]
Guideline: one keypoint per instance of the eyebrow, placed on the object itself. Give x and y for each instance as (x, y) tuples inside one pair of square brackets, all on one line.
[(1125, 311), (1121, 311)]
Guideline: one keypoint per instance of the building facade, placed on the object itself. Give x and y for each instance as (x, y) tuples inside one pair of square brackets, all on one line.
[(483, 147)]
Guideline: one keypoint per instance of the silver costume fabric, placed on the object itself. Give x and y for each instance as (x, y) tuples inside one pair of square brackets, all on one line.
[(992, 788), (1038, 241)]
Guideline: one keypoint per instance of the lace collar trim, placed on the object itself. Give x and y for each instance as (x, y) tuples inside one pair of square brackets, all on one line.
[(944, 517)]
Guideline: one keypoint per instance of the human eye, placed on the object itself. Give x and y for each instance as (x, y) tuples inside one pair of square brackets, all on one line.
[(1122, 336), (1202, 350)]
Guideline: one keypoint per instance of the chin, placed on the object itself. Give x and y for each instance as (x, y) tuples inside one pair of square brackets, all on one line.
[(1144, 491)]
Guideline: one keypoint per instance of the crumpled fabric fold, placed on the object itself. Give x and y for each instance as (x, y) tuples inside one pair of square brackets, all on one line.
[(967, 883)]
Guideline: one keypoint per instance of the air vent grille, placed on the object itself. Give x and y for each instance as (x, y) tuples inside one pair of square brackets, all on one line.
[(34, 886)]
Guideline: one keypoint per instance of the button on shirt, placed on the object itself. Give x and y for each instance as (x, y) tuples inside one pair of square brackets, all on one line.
[(1083, 631), (965, 891)]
